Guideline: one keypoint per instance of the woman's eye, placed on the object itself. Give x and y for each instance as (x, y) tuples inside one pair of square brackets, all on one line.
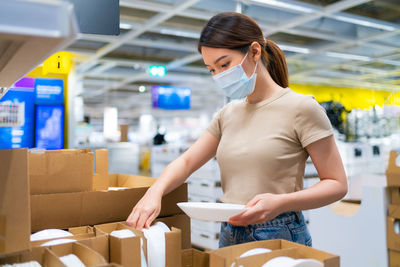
[(225, 65)]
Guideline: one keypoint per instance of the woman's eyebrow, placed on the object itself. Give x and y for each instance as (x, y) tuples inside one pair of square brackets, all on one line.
[(216, 61)]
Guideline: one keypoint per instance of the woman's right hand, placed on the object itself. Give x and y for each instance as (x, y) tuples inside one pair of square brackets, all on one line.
[(146, 210)]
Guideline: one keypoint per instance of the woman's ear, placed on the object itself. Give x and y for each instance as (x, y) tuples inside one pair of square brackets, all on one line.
[(255, 51)]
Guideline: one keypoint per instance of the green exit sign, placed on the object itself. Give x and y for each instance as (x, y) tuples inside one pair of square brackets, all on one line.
[(157, 70)]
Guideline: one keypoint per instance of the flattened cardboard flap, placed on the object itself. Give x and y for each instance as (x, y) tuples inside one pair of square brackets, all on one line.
[(14, 201)]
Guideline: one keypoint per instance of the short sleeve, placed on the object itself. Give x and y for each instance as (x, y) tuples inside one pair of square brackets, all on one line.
[(215, 126), (311, 123)]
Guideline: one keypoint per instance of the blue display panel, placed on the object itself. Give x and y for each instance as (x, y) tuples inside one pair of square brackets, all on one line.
[(171, 97), (49, 130), (49, 91), (17, 115)]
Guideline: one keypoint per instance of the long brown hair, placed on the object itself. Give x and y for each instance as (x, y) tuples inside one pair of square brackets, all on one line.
[(236, 31)]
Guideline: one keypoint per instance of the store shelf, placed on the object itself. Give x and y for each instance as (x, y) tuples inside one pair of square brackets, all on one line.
[(31, 31)]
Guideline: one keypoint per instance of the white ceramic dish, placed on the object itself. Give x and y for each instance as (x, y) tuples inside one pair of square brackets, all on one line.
[(58, 242), (218, 212), (50, 234), (290, 262)]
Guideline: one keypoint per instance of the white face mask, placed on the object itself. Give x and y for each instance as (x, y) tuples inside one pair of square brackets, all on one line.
[(234, 81)]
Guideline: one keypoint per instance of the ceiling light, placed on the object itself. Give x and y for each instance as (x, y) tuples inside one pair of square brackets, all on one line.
[(125, 26), (276, 3), (347, 56), (364, 23), (142, 88), (180, 33), (295, 49)]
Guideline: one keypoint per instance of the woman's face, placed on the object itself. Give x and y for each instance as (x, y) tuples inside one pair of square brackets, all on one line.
[(218, 60)]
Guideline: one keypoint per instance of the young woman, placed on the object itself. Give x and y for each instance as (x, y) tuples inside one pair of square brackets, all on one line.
[(261, 141)]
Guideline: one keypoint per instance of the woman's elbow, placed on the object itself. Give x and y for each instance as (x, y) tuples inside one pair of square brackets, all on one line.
[(342, 189)]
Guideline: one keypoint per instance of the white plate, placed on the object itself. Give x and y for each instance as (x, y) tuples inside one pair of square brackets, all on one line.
[(218, 212)]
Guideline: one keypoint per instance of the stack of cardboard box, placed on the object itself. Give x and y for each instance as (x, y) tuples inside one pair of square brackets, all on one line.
[(393, 220)]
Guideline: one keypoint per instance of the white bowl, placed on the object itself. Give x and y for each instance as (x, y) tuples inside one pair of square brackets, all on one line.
[(49, 234), (218, 212)]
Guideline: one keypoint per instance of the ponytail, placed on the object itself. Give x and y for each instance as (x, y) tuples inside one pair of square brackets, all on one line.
[(274, 60)]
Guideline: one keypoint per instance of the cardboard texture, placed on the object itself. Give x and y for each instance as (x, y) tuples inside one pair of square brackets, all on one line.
[(35, 254), (224, 257), (67, 210), (393, 171), (181, 222), (395, 194), (60, 171), (394, 258), (81, 230), (88, 256), (100, 178), (393, 238), (14, 201), (127, 251), (195, 258), (124, 251)]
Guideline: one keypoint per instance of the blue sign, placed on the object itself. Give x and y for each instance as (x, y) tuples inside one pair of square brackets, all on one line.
[(171, 97), (49, 130), (17, 115), (49, 91)]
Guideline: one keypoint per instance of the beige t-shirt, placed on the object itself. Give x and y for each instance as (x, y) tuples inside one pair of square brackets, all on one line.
[(262, 145)]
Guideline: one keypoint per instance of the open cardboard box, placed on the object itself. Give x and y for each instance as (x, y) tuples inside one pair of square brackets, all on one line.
[(122, 251), (96, 240), (15, 227), (67, 210), (224, 257), (88, 256), (60, 171), (39, 254), (295, 253), (393, 171), (195, 258), (182, 222)]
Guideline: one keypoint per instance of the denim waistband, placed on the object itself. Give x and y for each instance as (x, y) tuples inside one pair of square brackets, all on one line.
[(284, 218)]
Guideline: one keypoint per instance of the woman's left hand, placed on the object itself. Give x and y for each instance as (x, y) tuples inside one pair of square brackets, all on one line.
[(261, 208)]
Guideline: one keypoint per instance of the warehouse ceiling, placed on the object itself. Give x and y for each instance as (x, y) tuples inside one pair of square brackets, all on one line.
[(351, 43)]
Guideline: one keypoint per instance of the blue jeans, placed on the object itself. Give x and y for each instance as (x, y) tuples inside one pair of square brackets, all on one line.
[(290, 226)]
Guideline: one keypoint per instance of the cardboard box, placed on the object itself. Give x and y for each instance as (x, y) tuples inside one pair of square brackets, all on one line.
[(295, 253), (60, 171), (67, 210), (224, 257), (15, 227), (88, 256), (127, 251), (195, 258), (182, 222), (124, 251), (95, 240), (394, 258), (101, 178), (393, 171), (41, 255)]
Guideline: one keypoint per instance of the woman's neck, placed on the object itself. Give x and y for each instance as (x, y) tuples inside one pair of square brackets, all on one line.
[(265, 87)]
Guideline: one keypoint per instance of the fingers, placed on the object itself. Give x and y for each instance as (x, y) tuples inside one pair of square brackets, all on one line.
[(254, 201), (132, 220), (150, 220), (144, 216)]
